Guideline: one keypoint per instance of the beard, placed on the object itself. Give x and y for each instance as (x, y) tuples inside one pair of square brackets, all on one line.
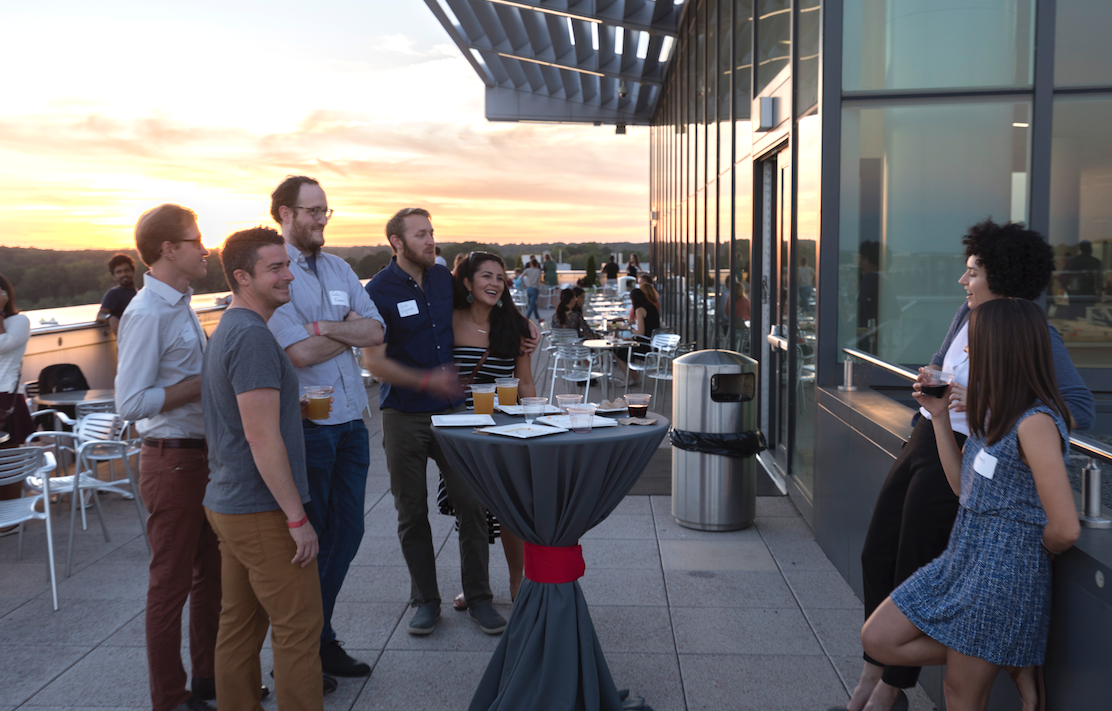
[(127, 282), (306, 238), (422, 260)]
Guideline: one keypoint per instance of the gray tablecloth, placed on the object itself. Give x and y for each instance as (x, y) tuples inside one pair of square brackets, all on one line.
[(550, 491)]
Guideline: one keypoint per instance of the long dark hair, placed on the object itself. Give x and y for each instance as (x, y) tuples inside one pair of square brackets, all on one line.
[(507, 326), (566, 297), (10, 308), (1011, 365)]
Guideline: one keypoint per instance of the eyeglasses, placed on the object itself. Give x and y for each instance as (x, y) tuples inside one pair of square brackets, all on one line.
[(316, 212)]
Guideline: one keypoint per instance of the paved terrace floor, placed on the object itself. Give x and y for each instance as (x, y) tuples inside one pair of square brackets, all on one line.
[(753, 619)]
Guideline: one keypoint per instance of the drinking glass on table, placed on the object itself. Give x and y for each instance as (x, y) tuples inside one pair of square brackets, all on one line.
[(562, 401), (533, 407), (582, 416), (507, 390), (638, 404), (483, 397)]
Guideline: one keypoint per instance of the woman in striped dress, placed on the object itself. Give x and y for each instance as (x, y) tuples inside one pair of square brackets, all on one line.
[(486, 322), (984, 604)]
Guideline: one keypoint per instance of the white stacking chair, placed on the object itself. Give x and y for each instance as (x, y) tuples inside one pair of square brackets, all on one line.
[(658, 362), (97, 438), (16, 465), (576, 365), (556, 337)]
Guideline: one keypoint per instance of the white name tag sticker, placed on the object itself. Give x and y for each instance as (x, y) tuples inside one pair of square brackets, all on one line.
[(408, 308), (339, 298), (985, 464)]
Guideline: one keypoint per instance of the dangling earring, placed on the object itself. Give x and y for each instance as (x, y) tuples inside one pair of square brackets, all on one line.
[(498, 303), (470, 299)]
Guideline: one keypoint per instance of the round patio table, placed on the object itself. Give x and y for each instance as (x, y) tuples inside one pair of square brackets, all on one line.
[(550, 491), (72, 397)]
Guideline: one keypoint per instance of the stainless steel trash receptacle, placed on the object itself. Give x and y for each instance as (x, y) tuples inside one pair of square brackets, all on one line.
[(714, 392)]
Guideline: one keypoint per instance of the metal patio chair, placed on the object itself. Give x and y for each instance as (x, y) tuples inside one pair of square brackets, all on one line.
[(16, 465)]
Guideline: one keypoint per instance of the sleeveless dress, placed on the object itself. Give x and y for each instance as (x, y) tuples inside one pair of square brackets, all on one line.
[(466, 358), (988, 594)]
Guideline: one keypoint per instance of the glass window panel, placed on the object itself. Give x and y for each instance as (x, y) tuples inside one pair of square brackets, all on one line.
[(1082, 51), (774, 39), (743, 58), (808, 165), (1080, 302), (807, 47), (914, 177), (910, 44), (742, 239), (725, 78)]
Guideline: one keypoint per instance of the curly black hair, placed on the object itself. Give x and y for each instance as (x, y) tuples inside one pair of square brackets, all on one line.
[(1018, 262)]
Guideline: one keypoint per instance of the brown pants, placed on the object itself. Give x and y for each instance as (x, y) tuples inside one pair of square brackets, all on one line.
[(262, 588), (185, 563)]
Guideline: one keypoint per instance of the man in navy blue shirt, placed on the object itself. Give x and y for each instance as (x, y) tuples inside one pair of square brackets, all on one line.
[(117, 298), (419, 379)]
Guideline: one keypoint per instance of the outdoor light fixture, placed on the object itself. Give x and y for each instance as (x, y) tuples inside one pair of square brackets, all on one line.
[(620, 130)]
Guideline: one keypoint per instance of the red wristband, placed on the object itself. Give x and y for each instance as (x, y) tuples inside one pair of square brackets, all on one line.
[(298, 524), (425, 381), (316, 328)]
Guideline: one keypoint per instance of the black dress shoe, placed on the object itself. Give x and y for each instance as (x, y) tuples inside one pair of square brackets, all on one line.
[(204, 688), (335, 661)]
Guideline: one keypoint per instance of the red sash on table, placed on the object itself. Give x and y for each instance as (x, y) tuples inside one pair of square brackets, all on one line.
[(545, 564)]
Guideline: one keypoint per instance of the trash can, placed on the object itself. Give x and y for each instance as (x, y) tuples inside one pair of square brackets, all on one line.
[(715, 440)]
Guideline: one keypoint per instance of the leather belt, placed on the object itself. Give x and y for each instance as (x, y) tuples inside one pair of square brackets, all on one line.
[(175, 443)]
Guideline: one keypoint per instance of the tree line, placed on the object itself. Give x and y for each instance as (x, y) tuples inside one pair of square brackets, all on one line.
[(45, 278)]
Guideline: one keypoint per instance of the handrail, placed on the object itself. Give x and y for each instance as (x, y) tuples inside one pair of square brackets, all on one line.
[(1090, 514), (1089, 446)]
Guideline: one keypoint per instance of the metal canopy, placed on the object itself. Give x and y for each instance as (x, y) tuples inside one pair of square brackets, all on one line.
[(582, 61)]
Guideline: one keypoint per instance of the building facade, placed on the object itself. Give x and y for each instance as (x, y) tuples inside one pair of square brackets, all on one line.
[(815, 164)]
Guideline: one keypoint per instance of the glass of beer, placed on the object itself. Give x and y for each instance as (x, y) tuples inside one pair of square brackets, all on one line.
[(320, 402), (483, 396), (532, 408), (638, 404), (582, 416), (937, 382), (507, 390)]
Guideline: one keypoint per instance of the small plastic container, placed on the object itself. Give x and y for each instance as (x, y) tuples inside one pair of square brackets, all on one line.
[(638, 404), (532, 408), (562, 401), (483, 396), (582, 416)]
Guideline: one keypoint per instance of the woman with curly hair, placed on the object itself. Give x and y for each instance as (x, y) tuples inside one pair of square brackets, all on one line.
[(915, 510)]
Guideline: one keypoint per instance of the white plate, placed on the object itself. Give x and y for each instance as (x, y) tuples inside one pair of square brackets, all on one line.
[(523, 431), (520, 409), (610, 411), (462, 420), (565, 421)]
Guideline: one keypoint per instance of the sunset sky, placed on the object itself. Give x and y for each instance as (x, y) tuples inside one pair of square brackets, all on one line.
[(111, 107)]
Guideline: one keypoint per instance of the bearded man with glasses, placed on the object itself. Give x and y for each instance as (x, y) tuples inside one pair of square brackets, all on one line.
[(328, 314)]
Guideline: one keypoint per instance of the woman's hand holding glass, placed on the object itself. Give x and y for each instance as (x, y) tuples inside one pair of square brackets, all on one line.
[(936, 406)]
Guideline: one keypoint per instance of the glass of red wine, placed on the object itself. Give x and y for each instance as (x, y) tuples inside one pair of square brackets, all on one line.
[(937, 382)]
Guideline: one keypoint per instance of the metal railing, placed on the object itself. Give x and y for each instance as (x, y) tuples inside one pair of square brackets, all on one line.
[(1090, 514)]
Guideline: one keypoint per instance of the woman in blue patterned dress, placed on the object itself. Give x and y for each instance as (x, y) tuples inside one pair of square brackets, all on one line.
[(984, 604)]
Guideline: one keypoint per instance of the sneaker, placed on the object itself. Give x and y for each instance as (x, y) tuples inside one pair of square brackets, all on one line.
[(335, 661), (424, 620), (488, 618)]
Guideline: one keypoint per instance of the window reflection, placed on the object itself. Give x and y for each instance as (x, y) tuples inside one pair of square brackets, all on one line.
[(774, 34), (917, 45), (1080, 302), (909, 192), (1082, 52)]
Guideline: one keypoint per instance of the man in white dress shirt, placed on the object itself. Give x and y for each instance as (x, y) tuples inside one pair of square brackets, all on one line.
[(158, 386)]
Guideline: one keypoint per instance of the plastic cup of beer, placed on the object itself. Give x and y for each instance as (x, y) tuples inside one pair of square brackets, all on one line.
[(562, 401), (533, 407), (582, 415), (638, 404), (320, 402), (937, 382), (507, 390), (483, 396)]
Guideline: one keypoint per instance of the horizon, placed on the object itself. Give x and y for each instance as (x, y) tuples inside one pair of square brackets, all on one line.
[(126, 112)]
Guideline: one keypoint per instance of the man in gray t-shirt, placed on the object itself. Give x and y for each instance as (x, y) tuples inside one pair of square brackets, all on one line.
[(257, 490)]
